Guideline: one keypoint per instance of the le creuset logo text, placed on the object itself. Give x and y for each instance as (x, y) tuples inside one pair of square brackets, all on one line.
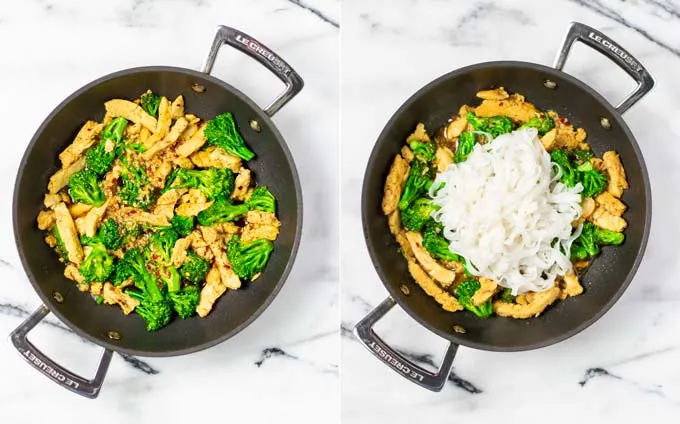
[(49, 370), (617, 50), (252, 45), (394, 361)]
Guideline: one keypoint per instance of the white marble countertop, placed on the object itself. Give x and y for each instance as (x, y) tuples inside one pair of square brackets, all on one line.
[(623, 368), (282, 368)]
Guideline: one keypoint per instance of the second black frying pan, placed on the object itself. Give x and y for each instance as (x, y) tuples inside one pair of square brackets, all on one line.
[(607, 278), (206, 97)]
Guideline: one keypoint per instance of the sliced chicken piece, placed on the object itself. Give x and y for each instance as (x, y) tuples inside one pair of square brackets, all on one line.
[(407, 154), (211, 291), (537, 302), (587, 207), (241, 184), (193, 119), (259, 225), (513, 107), (177, 107), (188, 133), (217, 158), (115, 296), (487, 289), (419, 134), (96, 289), (404, 245), (605, 219), (229, 278), (394, 184), (68, 233), (444, 276), (170, 139), (46, 220), (83, 141), (444, 158), (165, 205), (71, 272), (444, 298), (60, 178), (132, 131), (192, 203), (617, 176), (496, 94), (394, 222), (131, 112), (51, 200), (179, 251), (164, 118), (611, 204), (193, 144), (79, 209), (571, 286), (548, 140), (141, 217), (93, 218), (456, 127)]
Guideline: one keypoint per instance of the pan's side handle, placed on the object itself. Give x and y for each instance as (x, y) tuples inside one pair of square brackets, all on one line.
[(612, 50), (49, 368), (407, 369), (258, 51)]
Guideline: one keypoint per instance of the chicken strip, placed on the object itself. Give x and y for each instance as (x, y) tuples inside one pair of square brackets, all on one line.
[(192, 203), (419, 134), (93, 218), (241, 184), (79, 209), (193, 144), (71, 272), (217, 158), (170, 139), (259, 225), (83, 141), (115, 296), (444, 276), (537, 303), (495, 94), (68, 233), (456, 127), (46, 220), (444, 158), (610, 203), (131, 112), (164, 118), (617, 176), (605, 219), (60, 178), (486, 291), (165, 205), (394, 184), (211, 291), (513, 107), (177, 107), (448, 302), (179, 250), (571, 286)]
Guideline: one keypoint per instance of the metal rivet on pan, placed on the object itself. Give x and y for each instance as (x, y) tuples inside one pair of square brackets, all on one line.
[(404, 289), (605, 123), (58, 297), (114, 335), (255, 125), (550, 84), (198, 87), (459, 329)]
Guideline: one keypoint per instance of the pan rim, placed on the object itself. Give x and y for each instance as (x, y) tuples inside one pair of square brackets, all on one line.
[(264, 120), (397, 295)]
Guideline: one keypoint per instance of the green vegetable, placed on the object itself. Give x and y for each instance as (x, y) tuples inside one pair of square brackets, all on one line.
[(125, 267), (542, 123), (97, 266), (464, 293), (135, 190), (99, 300), (97, 158), (212, 182), (162, 242), (247, 259), (222, 132), (83, 187), (435, 243), (580, 155), (588, 243), (154, 307), (506, 296), (195, 268), (561, 158), (150, 103), (593, 181), (61, 247), (424, 150), (419, 180), (466, 142), (262, 199), (108, 235), (419, 212), (495, 125), (185, 300), (182, 224), (222, 210)]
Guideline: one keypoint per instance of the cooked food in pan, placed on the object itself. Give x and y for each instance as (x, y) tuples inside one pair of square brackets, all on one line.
[(154, 210), (503, 208)]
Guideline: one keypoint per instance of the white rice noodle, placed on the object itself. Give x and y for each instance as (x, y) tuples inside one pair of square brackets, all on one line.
[(505, 212)]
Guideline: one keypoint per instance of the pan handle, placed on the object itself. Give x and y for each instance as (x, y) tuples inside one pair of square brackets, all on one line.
[(58, 374), (258, 51), (389, 356), (612, 50)]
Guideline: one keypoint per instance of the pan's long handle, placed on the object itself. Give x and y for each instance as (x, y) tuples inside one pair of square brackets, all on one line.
[(258, 51), (407, 369), (58, 374), (612, 50)]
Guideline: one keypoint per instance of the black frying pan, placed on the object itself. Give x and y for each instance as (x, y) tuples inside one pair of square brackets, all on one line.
[(206, 97), (607, 278)]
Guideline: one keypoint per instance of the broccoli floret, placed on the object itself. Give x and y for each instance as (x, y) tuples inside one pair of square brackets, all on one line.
[(222, 210), (83, 187), (543, 123), (262, 199), (435, 243), (212, 182), (581, 155), (419, 180), (124, 268), (135, 190), (150, 103), (154, 307), (100, 158), (162, 243), (424, 150), (195, 268), (464, 293), (109, 234), (495, 125), (222, 132), (561, 159), (466, 142), (60, 247), (247, 259), (97, 266), (182, 224), (588, 243), (185, 300), (419, 212), (593, 181), (506, 296)]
